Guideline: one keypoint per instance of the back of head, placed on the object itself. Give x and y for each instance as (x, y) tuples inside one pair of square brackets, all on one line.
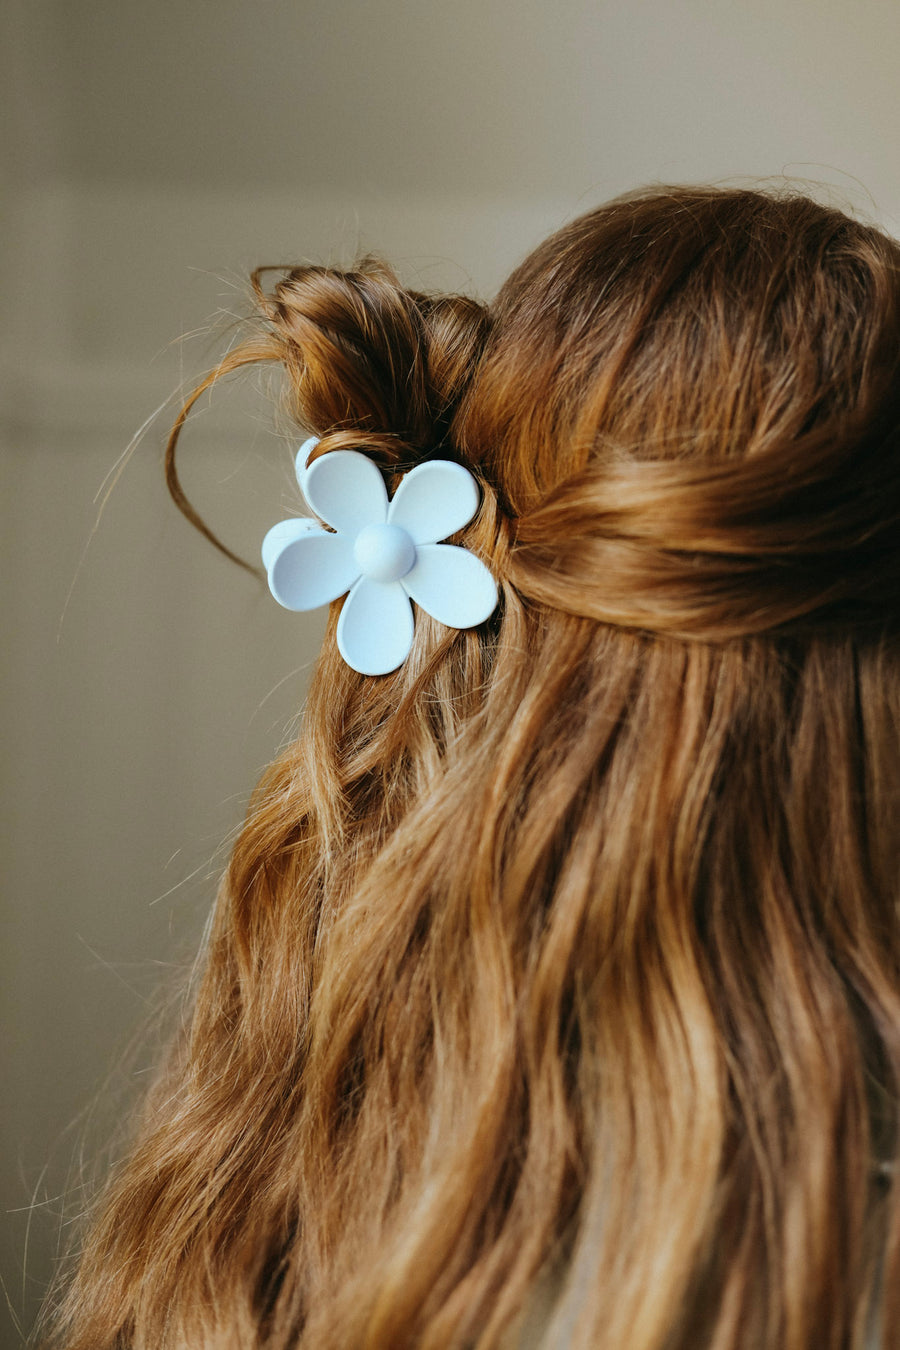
[(562, 964)]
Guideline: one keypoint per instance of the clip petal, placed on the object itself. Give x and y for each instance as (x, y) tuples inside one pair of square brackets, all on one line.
[(346, 490), (301, 459), (452, 585), (375, 630), (434, 500), (284, 533), (313, 570)]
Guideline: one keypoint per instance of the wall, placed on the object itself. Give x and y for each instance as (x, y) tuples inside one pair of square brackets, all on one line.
[(157, 152)]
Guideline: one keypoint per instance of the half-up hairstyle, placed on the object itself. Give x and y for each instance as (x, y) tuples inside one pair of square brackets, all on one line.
[(554, 982)]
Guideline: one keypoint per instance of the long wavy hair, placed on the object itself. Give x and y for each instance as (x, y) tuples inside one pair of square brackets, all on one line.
[(554, 982)]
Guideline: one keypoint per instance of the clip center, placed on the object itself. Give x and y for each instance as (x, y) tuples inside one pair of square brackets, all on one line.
[(384, 552)]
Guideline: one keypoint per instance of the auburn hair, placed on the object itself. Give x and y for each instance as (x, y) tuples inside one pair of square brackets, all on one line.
[(554, 981)]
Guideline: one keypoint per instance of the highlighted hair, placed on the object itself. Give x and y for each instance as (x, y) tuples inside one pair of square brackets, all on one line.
[(565, 960)]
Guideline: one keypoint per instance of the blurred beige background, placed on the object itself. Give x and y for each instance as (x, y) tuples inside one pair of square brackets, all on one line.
[(152, 154)]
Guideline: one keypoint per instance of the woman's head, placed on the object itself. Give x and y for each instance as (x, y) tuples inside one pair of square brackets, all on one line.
[(572, 945)]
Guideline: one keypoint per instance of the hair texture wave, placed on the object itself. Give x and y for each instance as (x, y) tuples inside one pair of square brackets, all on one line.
[(563, 964)]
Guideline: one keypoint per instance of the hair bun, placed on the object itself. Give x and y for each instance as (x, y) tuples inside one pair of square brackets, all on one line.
[(365, 355)]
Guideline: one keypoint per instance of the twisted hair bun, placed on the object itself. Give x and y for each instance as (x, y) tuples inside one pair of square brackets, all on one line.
[(730, 549), (371, 365), (370, 362)]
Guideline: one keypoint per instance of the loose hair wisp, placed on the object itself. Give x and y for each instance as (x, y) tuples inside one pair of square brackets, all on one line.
[(556, 975)]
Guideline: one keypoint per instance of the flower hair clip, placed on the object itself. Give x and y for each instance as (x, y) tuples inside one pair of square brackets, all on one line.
[(382, 553)]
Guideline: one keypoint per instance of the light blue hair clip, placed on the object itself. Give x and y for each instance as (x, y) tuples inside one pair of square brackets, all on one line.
[(384, 553)]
